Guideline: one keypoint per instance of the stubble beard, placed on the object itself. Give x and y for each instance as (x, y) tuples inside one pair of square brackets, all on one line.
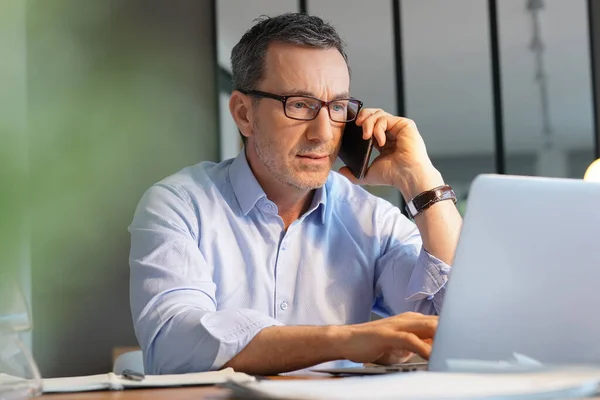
[(283, 171)]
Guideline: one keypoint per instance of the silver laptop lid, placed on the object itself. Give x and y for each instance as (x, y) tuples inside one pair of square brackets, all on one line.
[(526, 275)]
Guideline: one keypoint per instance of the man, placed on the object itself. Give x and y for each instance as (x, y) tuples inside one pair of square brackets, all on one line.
[(269, 262)]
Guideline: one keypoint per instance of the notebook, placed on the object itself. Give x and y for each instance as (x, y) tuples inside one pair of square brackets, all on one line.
[(112, 381)]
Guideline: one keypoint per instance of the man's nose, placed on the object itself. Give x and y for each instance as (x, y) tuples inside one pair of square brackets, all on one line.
[(321, 128)]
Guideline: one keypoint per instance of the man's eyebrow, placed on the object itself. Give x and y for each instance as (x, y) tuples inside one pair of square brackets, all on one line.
[(298, 92)]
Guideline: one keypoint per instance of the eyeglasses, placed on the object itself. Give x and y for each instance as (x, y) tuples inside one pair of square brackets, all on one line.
[(306, 108)]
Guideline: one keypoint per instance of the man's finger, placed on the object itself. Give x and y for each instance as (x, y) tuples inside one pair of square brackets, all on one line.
[(364, 114), (424, 328), (394, 357), (369, 123), (401, 124), (411, 342), (379, 130)]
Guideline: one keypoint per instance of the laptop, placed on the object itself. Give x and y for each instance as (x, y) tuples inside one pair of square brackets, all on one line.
[(525, 282)]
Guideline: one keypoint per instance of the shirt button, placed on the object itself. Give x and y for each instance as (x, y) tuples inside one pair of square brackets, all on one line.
[(283, 246), (283, 306), (430, 298)]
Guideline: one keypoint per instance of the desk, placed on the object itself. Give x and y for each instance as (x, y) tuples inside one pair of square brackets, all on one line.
[(184, 393), (188, 393)]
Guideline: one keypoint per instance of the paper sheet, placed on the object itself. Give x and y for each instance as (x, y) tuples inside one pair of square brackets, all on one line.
[(428, 385)]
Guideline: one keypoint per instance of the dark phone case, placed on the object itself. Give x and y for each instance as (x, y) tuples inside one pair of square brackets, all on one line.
[(355, 152)]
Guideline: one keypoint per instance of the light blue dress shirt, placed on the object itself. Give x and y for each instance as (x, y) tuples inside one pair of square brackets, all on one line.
[(211, 264)]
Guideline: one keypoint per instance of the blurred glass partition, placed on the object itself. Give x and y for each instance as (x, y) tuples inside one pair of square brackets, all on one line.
[(448, 89), (546, 84), (369, 35), (233, 19), (445, 85)]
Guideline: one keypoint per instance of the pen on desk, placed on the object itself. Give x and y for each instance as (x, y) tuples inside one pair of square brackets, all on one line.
[(132, 375)]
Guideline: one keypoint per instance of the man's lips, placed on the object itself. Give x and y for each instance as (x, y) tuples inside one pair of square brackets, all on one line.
[(314, 156)]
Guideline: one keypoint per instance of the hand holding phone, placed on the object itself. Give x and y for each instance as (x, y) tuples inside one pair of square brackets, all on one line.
[(355, 151)]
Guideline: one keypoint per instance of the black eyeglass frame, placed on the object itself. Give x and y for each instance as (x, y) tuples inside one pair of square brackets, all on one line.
[(284, 99)]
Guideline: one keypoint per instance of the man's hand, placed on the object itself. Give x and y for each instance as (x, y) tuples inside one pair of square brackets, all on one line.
[(390, 340), (403, 161)]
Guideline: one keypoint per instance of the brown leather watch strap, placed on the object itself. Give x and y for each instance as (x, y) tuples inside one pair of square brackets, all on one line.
[(423, 201)]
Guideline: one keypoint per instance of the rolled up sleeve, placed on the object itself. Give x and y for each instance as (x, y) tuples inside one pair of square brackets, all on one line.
[(172, 294), (408, 278), (428, 280), (234, 329)]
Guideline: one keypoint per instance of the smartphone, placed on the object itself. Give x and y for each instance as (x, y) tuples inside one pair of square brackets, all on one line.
[(355, 152)]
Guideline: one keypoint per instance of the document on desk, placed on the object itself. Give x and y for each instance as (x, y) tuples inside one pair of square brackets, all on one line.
[(556, 384), (112, 381)]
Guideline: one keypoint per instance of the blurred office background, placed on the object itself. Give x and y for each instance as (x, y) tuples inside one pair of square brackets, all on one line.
[(98, 100)]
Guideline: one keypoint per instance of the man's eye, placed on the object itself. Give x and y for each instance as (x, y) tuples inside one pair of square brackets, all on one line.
[(299, 104)]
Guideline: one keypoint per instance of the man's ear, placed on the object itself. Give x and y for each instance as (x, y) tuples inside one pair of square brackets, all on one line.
[(240, 107)]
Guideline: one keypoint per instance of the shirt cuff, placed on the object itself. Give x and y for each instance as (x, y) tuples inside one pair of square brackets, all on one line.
[(428, 278), (234, 329)]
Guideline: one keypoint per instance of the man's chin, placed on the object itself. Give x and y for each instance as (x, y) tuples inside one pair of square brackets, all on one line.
[(310, 180)]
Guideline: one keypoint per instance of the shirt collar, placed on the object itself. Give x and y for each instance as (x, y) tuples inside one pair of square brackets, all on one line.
[(246, 188), (320, 202), (248, 191)]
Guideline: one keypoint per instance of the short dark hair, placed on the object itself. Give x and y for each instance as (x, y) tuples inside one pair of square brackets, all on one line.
[(249, 54)]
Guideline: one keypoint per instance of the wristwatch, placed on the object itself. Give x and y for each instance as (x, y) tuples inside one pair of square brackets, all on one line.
[(423, 201)]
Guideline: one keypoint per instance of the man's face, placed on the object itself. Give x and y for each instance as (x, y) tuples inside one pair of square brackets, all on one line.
[(298, 153)]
